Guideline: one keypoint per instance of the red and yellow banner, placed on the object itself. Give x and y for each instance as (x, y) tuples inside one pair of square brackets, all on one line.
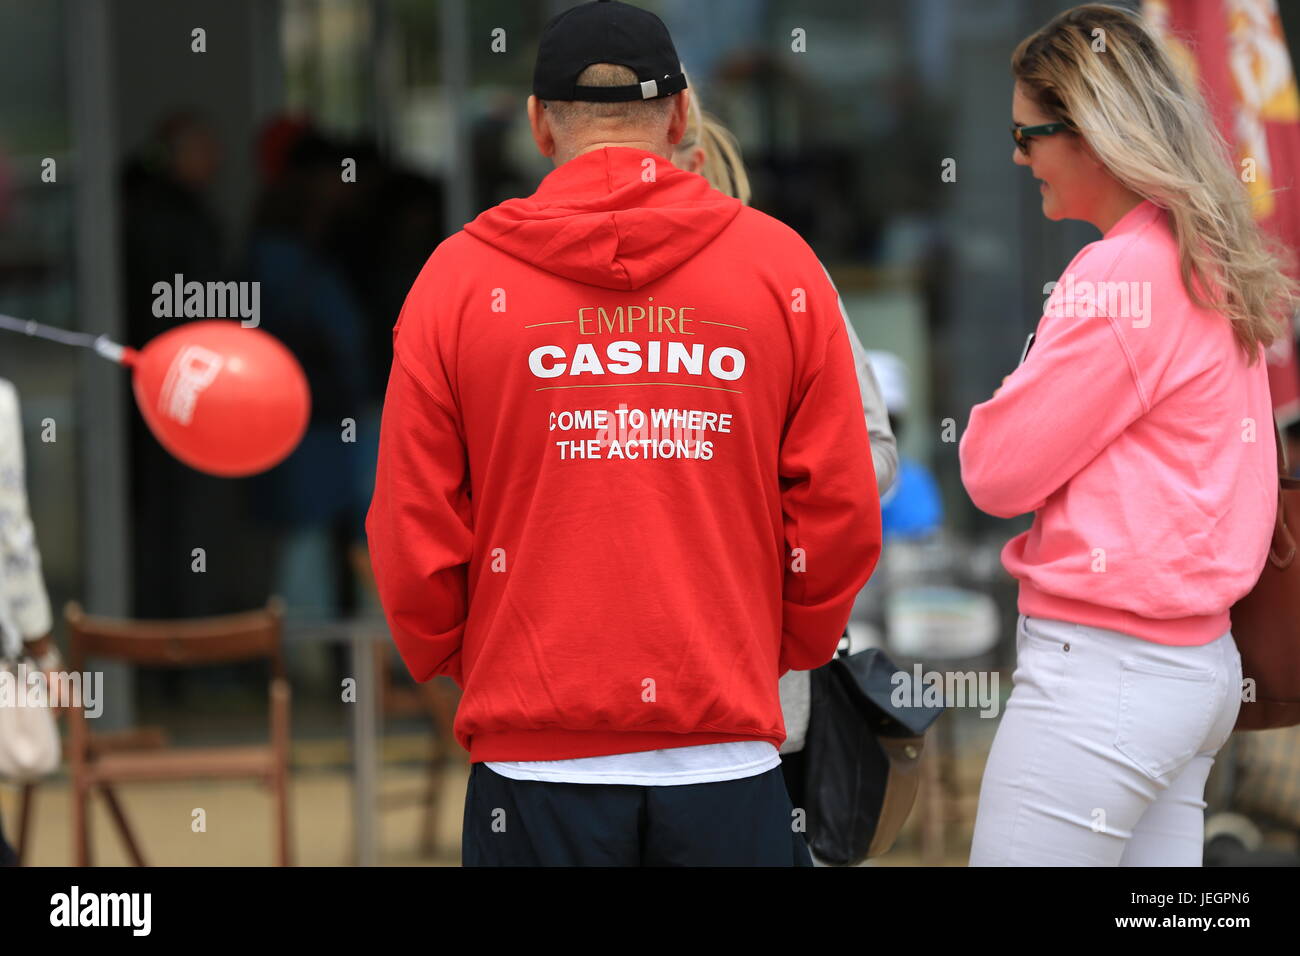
[(1237, 52)]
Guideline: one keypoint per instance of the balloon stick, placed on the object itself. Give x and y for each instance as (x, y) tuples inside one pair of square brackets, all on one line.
[(101, 345)]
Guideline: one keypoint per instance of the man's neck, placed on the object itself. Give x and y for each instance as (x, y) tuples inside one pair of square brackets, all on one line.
[(630, 144)]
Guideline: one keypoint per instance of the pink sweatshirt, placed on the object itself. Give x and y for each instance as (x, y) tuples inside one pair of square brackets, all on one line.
[(1141, 440)]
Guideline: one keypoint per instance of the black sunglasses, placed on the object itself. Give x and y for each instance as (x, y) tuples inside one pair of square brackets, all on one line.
[(1022, 134)]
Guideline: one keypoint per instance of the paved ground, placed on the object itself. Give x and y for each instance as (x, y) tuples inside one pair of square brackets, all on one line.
[(239, 830), (239, 821), (239, 815)]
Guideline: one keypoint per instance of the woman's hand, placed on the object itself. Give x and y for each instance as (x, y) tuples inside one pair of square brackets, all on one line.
[(999, 388)]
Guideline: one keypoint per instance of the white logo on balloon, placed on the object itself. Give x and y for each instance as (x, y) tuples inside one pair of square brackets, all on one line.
[(193, 370)]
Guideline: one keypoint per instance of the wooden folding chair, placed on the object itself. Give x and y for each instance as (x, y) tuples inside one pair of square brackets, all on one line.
[(101, 761)]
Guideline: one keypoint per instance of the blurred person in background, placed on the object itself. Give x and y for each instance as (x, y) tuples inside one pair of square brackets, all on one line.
[(168, 222), (618, 621), (25, 619), (711, 150), (1137, 430), (381, 243), (169, 228), (313, 504), (497, 177)]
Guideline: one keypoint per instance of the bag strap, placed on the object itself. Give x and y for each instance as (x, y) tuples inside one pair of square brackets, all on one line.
[(1283, 466), (1281, 533)]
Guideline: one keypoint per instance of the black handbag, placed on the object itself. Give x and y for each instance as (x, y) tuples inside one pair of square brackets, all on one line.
[(863, 758)]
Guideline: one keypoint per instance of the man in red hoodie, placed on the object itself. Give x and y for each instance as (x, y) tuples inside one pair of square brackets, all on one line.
[(624, 483)]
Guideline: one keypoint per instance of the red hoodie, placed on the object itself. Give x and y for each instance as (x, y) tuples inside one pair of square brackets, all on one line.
[(624, 479)]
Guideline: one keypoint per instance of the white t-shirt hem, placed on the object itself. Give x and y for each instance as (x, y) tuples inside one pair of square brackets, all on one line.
[(679, 766)]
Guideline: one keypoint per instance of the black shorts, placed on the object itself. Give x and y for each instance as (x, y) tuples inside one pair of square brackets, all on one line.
[(744, 822)]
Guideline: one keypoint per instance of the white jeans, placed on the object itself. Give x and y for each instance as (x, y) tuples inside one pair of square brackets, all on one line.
[(1104, 748)]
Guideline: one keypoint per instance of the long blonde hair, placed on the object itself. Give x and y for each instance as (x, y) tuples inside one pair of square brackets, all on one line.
[(723, 166), (1154, 134)]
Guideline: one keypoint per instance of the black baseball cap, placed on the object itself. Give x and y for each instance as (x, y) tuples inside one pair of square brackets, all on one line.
[(606, 31)]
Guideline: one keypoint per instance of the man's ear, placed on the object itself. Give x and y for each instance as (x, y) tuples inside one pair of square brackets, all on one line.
[(540, 125), (679, 117)]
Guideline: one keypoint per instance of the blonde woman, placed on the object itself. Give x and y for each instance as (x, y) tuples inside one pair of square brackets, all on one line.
[(1138, 431), (710, 149)]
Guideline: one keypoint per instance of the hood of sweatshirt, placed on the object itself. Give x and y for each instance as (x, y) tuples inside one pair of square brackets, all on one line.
[(602, 219)]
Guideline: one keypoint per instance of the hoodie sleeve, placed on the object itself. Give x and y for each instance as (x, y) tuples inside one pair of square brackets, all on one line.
[(419, 525), (1075, 393), (884, 447), (830, 504)]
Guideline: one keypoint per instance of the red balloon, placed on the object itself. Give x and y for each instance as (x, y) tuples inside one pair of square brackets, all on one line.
[(227, 400)]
